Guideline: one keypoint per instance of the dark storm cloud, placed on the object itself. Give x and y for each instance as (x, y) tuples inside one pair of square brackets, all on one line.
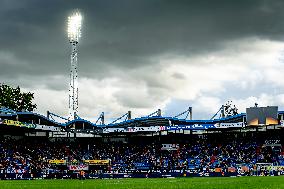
[(125, 34)]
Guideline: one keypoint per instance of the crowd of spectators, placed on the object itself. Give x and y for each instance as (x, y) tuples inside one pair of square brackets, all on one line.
[(31, 155)]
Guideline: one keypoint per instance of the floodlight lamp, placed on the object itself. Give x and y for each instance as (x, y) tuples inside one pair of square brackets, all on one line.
[(74, 27)]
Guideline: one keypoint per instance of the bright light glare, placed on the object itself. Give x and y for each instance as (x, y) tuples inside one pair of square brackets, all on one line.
[(74, 27)]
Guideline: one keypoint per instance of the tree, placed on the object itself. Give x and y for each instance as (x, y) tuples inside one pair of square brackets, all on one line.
[(16, 100)]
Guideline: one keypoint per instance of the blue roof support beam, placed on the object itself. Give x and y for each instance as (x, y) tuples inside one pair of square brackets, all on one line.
[(127, 116), (187, 112), (216, 113), (101, 118), (50, 114), (157, 113)]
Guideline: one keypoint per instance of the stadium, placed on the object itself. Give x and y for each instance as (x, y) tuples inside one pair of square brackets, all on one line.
[(34, 146)]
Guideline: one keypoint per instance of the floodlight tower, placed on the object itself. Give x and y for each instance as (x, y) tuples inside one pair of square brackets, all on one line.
[(74, 34)]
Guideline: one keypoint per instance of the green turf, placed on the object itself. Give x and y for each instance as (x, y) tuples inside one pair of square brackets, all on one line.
[(198, 183)]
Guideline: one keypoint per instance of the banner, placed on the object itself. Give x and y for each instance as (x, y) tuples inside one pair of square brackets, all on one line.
[(170, 147), (78, 167), (97, 162), (57, 161), (201, 126), (229, 125), (47, 128), (271, 142), (191, 127), (275, 168), (132, 129), (113, 130), (29, 125), (18, 123), (143, 129)]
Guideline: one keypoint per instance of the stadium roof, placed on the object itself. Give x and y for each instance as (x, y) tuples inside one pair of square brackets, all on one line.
[(79, 123), (32, 117)]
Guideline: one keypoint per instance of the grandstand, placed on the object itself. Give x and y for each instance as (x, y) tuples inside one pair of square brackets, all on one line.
[(36, 146)]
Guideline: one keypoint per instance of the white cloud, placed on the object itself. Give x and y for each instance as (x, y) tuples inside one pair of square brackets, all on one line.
[(245, 71)]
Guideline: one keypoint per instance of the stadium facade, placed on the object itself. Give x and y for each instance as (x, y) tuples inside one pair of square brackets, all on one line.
[(167, 146)]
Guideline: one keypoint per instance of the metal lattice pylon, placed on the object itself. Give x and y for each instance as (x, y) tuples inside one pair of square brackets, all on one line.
[(73, 85), (74, 33)]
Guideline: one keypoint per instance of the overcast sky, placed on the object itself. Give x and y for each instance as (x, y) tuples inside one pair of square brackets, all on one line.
[(141, 55)]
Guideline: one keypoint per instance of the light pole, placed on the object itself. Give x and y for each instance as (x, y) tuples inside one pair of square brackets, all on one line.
[(74, 34)]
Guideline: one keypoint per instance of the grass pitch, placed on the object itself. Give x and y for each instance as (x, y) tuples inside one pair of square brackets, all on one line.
[(197, 183)]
